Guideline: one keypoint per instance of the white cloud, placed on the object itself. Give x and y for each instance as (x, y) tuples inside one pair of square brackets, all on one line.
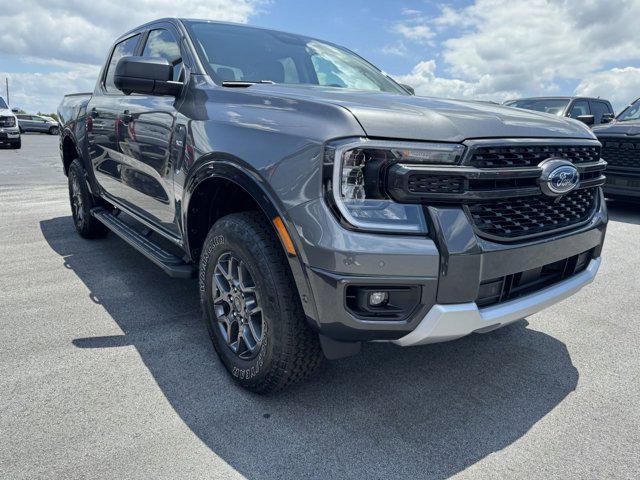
[(72, 38), (80, 30), (426, 82), (398, 49), (419, 32), (619, 85), (505, 48), (42, 92)]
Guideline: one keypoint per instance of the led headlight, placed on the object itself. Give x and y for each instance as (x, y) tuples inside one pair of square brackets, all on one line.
[(357, 180), (10, 122)]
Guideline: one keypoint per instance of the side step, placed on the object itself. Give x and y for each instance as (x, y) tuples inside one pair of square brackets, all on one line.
[(171, 264)]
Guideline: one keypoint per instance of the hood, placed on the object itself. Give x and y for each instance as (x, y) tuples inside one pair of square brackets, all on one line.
[(387, 115), (6, 112), (630, 128)]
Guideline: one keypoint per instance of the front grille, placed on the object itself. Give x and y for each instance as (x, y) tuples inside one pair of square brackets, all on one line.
[(621, 152), (7, 122), (425, 183), (519, 217), (518, 284), (498, 185), (513, 156)]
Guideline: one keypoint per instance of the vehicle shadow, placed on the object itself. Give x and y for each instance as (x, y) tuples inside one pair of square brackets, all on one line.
[(422, 412), (621, 211)]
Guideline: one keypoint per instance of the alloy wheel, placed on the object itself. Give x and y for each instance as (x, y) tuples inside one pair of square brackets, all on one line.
[(237, 307)]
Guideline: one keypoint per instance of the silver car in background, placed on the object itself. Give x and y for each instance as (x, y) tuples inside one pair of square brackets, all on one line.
[(37, 123)]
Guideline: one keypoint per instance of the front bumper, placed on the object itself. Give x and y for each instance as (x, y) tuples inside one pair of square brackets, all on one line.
[(622, 184), (450, 268), (448, 322), (9, 134)]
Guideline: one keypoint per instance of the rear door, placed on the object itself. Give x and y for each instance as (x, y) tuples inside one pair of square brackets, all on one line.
[(146, 124)]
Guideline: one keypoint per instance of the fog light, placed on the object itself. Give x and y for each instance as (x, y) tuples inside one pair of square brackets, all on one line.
[(377, 299)]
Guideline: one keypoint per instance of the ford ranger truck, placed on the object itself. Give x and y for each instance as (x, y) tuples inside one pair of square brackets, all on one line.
[(319, 203), (621, 150)]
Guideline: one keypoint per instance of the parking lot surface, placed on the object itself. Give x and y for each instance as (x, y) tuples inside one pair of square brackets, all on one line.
[(106, 371)]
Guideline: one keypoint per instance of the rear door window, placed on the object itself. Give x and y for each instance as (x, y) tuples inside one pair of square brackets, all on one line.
[(579, 107), (125, 48)]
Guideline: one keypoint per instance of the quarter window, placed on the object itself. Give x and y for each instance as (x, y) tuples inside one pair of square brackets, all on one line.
[(125, 48), (161, 43)]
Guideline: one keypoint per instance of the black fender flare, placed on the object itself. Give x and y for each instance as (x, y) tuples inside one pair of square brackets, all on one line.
[(231, 169)]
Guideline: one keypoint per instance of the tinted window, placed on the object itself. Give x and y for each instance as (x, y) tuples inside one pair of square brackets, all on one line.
[(237, 53), (554, 106), (161, 43), (632, 112), (599, 109), (579, 107), (2, 103), (22, 117), (123, 49)]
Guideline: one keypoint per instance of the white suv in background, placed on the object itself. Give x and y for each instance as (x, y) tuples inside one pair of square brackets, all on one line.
[(9, 130)]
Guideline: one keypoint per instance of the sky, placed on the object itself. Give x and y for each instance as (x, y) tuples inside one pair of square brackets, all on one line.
[(475, 49)]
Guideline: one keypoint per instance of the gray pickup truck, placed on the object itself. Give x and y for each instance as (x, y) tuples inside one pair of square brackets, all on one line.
[(320, 203)]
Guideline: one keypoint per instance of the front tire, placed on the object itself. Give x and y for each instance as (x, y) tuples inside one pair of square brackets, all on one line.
[(82, 201), (17, 144), (252, 307)]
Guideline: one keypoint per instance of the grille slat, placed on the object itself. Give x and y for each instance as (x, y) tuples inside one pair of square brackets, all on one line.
[(621, 152), (530, 155), (423, 183), (518, 217)]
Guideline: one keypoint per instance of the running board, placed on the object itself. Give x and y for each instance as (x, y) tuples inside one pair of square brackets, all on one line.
[(171, 264)]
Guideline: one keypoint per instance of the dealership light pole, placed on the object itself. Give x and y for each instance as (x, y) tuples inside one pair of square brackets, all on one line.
[(6, 81)]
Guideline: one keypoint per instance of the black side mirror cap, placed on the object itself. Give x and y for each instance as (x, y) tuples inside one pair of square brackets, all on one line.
[(587, 119), (146, 75), (15, 110), (408, 88)]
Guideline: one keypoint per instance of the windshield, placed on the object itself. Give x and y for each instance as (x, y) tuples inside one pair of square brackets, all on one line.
[(554, 106), (235, 53), (632, 112), (2, 103)]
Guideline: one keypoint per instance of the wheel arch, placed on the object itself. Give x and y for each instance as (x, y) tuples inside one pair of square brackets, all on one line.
[(206, 182)]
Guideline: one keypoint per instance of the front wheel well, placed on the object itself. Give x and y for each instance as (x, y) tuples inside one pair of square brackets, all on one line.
[(213, 199)]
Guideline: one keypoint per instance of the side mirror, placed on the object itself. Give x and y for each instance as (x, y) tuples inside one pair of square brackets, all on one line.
[(146, 75), (408, 88), (607, 118), (15, 110), (587, 119)]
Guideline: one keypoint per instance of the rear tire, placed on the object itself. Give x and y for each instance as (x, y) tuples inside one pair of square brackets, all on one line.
[(82, 201), (252, 308), (54, 130)]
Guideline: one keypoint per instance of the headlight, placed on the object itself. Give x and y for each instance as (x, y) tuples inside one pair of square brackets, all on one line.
[(356, 176), (11, 122)]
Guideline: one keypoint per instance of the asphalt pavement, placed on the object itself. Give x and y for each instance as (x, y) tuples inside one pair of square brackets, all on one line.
[(106, 371)]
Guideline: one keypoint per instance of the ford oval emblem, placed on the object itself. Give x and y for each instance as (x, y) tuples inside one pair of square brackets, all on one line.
[(558, 177)]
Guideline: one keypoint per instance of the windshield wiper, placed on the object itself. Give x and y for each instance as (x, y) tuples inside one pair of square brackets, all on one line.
[(245, 83)]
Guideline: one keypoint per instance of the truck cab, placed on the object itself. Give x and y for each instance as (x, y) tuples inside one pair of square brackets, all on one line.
[(591, 111)]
